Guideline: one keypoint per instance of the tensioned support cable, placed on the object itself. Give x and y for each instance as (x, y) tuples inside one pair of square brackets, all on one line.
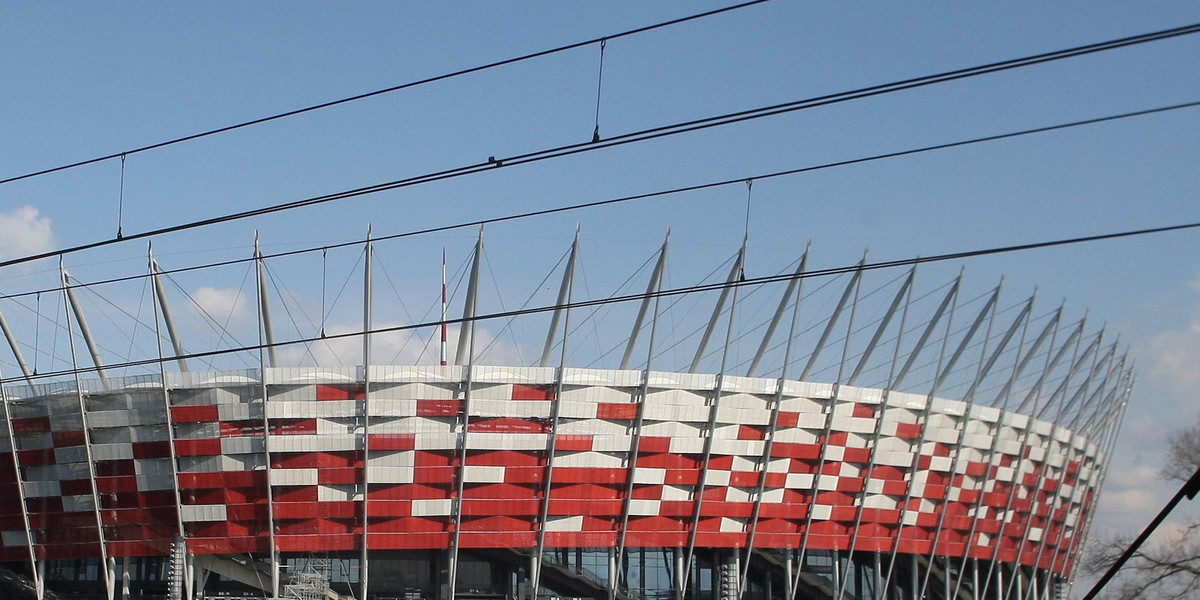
[(121, 199), (599, 87), (686, 290)]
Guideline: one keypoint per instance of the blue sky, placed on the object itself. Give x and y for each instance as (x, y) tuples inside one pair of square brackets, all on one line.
[(83, 80)]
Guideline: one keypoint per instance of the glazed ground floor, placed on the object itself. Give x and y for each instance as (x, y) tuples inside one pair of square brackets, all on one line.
[(594, 573)]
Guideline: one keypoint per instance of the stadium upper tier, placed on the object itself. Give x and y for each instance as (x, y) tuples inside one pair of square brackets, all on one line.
[(979, 447), (493, 457)]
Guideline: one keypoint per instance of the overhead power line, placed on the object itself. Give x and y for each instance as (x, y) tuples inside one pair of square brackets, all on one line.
[(387, 90), (611, 201), (642, 135), (692, 289)]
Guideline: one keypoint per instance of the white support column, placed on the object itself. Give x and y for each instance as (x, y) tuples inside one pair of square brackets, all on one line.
[(904, 294), (1076, 363), (988, 307), (465, 332), (564, 294), (1052, 359), (1021, 361), (266, 345), (1122, 391), (710, 429), (949, 301), (564, 301), (264, 304), (852, 288), (87, 438), (1018, 365), (161, 294), (636, 441), (16, 350), (84, 330), (368, 306), (466, 357), (35, 566), (166, 398), (1098, 362), (776, 402)]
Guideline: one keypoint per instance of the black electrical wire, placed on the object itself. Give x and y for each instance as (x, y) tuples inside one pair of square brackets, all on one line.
[(692, 289), (644, 135), (618, 200), (387, 90)]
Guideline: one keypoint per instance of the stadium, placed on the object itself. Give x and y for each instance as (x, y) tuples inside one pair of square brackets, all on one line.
[(903, 445)]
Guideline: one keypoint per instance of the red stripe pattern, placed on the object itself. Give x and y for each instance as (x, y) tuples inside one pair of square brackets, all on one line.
[(299, 471)]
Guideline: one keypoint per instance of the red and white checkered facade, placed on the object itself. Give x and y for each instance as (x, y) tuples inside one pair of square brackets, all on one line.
[(206, 456)]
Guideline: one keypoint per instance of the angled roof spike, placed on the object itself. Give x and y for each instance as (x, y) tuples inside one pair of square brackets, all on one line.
[(797, 282), (568, 277), (883, 325), (1060, 392), (160, 295), (735, 275), (264, 304), (16, 350), (651, 287), (833, 319), (464, 329), (1086, 393), (1050, 366), (985, 368), (84, 330), (1051, 326), (966, 340), (929, 327)]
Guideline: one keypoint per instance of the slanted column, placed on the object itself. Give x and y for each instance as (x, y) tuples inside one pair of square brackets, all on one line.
[(464, 331), (468, 355), (35, 566), (363, 565), (266, 348), (713, 409), (635, 447), (105, 562), (564, 295), (851, 289), (84, 330), (772, 427), (162, 306), (734, 275), (16, 350), (564, 300), (651, 287), (180, 564), (264, 304)]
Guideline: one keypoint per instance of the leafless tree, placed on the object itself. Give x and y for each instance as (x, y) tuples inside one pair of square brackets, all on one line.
[(1166, 569)]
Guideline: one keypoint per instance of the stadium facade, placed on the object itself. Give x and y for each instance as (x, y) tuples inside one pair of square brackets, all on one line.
[(470, 480)]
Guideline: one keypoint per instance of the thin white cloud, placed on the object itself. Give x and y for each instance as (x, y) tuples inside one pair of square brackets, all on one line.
[(24, 231), (1174, 355), (221, 304)]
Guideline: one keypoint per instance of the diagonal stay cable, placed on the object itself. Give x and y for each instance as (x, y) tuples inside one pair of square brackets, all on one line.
[(682, 291)]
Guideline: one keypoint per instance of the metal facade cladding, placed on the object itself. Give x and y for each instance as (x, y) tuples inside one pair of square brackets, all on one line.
[(833, 467)]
